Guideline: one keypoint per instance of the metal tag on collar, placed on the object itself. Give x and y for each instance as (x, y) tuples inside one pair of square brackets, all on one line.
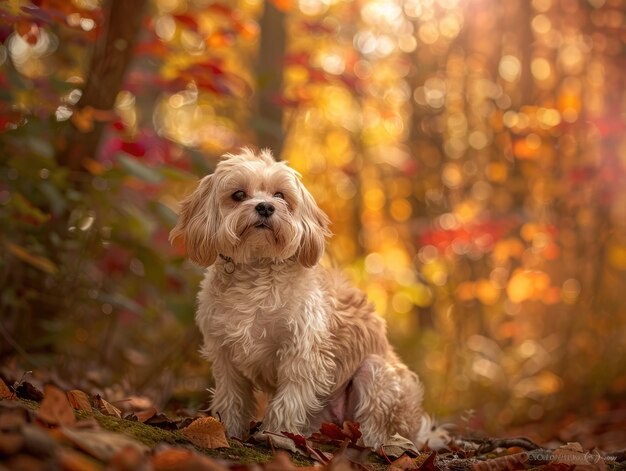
[(229, 267)]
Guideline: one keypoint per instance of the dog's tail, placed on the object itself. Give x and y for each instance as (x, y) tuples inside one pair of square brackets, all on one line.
[(435, 436)]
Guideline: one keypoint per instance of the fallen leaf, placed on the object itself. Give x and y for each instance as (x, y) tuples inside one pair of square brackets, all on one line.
[(5, 392), (162, 421), (397, 445), (503, 463), (12, 419), (403, 463), (573, 454), (298, 440), (55, 408), (26, 390), (38, 441), (129, 458), (178, 459), (144, 415), (106, 408), (206, 432), (25, 462), (100, 444), (79, 400), (70, 460), (10, 443)]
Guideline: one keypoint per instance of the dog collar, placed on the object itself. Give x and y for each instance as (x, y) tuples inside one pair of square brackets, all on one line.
[(229, 265)]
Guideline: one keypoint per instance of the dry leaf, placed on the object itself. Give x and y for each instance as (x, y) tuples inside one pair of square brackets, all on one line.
[(129, 458), (144, 415), (503, 463), (206, 432), (5, 392), (403, 463), (397, 445), (573, 454), (70, 460), (79, 400), (100, 444), (178, 459), (106, 408), (10, 443), (55, 408)]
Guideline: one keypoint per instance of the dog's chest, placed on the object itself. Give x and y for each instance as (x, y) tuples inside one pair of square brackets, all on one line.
[(253, 344)]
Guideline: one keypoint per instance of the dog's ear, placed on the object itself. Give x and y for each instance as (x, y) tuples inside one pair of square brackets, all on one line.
[(197, 223), (314, 229)]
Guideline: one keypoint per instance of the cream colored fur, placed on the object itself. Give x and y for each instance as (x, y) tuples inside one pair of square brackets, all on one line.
[(275, 320)]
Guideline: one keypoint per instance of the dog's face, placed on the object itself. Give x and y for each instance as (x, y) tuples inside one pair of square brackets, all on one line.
[(252, 208)]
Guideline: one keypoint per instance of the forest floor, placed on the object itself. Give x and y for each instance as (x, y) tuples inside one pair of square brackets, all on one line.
[(48, 428)]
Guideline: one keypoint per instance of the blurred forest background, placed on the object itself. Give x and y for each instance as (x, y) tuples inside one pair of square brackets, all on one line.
[(471, 155)]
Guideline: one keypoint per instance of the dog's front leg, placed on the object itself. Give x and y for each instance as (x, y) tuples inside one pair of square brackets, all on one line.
[(297, 398), (233, 401)]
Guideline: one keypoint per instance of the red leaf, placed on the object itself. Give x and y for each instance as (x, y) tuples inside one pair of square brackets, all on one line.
[(134, 148), (187, 21), (298, 440), (332, 431)]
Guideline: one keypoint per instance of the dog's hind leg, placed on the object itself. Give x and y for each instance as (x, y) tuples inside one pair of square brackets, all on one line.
[(386, 399)]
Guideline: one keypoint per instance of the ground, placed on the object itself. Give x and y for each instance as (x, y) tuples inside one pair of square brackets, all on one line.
[(68, 430)]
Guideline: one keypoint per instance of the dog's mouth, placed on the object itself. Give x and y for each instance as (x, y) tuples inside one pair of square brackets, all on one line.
[(260, 225)]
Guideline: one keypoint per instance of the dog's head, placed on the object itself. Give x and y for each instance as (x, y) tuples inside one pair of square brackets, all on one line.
[(252, 208)]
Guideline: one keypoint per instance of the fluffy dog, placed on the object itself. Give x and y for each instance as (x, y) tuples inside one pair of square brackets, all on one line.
[(275, 320)]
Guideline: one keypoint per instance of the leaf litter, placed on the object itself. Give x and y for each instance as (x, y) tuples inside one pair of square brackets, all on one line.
[(58, 429)]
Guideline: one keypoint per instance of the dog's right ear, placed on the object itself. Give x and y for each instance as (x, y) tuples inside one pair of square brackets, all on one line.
[(197, 223)]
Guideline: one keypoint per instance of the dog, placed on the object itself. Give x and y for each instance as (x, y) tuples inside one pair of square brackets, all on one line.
[(273, 319)]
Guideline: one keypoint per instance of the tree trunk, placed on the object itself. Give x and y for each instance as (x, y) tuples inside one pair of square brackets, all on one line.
[(269, 116), (112, 55)]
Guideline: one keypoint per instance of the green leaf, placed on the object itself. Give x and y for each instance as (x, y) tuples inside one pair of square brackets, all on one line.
[(140, 170)]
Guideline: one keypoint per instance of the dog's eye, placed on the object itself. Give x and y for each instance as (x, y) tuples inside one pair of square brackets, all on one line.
[(239, 195), (278, 194)]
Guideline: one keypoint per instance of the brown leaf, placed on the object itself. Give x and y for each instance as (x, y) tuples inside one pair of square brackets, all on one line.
[(129, 458), (70, 460), (11, 420), (144, 415), (26, 390), (25, 462), (503, 463), (5, 392), (403, 463), (101, 444), (55, 408), (161, 421), (178, 459), (10, 443), (79, 400), (573, 454), (206, 432), (106, 408)]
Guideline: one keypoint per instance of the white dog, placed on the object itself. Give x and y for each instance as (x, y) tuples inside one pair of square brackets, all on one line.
[(273, 319)]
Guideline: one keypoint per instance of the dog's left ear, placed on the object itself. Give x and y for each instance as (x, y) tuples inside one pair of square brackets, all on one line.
[(197, 221), (314, 229)]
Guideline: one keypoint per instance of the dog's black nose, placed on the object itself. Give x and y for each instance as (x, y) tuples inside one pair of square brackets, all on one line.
[(264, 209)]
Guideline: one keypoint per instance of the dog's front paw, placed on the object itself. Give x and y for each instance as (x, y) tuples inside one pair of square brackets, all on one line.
[(276, 440)]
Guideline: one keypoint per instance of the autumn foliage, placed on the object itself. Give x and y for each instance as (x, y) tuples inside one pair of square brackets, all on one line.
[(470, 154)]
